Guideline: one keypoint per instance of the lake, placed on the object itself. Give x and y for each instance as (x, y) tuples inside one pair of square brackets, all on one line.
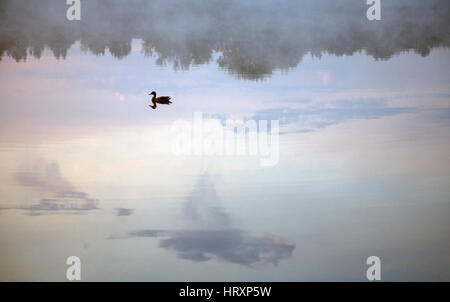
[(360, 160)]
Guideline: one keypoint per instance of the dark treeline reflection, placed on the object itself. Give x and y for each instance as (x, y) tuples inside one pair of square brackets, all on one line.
[(252, 38)]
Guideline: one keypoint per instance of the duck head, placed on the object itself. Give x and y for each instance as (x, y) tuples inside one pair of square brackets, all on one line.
[(153, 92)]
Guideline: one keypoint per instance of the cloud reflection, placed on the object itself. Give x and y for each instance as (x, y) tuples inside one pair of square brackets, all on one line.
[(62, 197), (316, 116), (124, 212), (230, 245), (213, 236)]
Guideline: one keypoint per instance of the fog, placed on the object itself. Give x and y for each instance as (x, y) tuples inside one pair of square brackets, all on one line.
[(252, 39)]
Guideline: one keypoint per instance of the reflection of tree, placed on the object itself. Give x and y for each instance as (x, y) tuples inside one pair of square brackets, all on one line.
[(255, 61), (253, 38), (119, 49), (182, 54)]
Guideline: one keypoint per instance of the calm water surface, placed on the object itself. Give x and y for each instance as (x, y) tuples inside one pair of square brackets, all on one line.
[(87, 169)]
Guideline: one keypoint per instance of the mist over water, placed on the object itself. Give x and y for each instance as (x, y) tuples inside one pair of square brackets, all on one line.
[(252, 38), (87, 168)]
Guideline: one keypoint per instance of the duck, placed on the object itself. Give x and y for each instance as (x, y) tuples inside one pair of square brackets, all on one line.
[(160, 100)]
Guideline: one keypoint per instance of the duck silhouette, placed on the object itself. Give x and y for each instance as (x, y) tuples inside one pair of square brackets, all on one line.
[(160, 100)]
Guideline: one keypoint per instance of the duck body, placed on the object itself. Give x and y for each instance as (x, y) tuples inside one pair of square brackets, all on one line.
[(159, 100)]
